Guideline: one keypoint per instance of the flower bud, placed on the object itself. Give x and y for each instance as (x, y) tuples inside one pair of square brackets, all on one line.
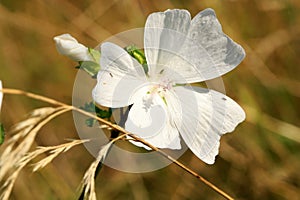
[(69, 46)]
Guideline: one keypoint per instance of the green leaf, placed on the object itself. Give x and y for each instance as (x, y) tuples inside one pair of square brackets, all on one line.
[(91, 107), (90, 122), (138, 55), (103, 113), (2, 133)]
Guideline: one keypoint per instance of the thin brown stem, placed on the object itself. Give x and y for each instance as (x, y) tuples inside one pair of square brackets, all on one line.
[(32, 95), (120, 129), (206, 182), (114, 126)]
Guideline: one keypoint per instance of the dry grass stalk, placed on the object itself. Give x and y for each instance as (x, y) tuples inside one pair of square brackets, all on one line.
[(88, 182), (22, 128), (28, 130), (54, 152), (12, 155)]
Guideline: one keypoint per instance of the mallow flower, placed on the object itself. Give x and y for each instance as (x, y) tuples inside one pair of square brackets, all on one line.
[(69, 46), (165, 108)]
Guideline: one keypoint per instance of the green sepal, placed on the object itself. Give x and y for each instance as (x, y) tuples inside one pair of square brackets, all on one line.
[(95, 54), (89, 67), (2, 133), (138, 55)]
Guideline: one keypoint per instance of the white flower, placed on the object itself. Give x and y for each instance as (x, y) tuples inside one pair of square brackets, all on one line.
[(178, 51), (69, 46), (1, 95)]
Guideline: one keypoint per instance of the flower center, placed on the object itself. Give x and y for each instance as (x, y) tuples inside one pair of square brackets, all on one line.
[(160, 88)]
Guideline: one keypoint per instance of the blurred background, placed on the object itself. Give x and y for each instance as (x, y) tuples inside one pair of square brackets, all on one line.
[(259, 160)]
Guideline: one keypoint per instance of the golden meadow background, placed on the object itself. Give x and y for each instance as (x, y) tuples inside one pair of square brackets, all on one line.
[(260, 160)]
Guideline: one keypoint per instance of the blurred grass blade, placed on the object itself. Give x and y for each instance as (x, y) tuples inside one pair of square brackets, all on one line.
[(275, 125), (2, 133)]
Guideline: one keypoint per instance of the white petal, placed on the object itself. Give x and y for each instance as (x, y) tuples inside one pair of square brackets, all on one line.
[(69, 46), (165, 32), (119, 77), (210, 52), (149, 119), (202, 116), (1, 95)]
